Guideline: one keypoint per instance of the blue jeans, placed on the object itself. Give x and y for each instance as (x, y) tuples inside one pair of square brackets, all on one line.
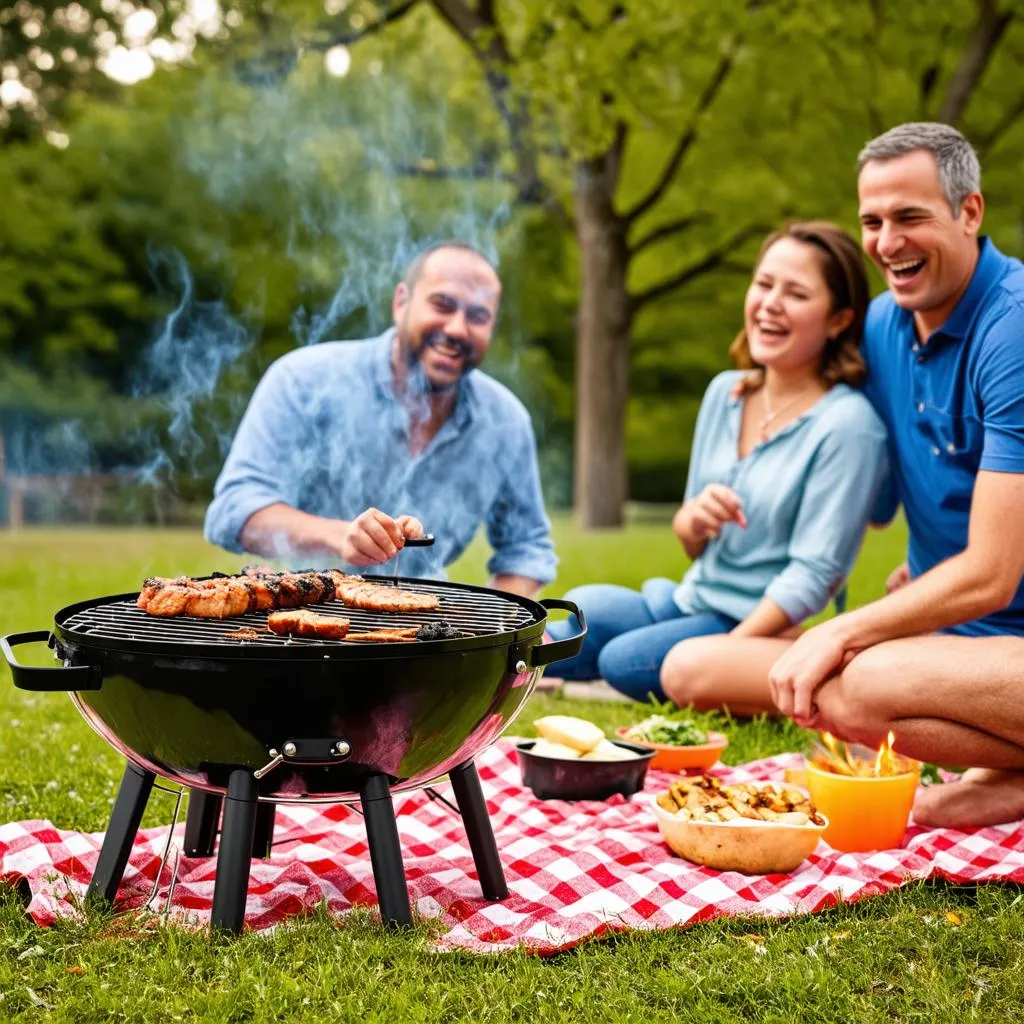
[(629, 633)]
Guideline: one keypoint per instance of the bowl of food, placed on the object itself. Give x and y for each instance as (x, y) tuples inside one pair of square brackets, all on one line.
[(572, 760), (756, 829), (680, 744)]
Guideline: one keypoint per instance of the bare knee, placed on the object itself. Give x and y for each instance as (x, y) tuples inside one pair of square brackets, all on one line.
[(687, 674), (853, 705)]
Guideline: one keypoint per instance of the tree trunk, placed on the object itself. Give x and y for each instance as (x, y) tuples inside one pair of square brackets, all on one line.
[(602, 347)]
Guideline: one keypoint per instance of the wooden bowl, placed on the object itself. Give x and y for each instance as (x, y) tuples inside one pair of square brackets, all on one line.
[(695, 758), (750, 847)]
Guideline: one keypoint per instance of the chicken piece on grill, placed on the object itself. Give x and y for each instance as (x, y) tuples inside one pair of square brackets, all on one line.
[(154, 584), (375, 597), (167, 600), (228, 599), (302, 622), (384, 636)]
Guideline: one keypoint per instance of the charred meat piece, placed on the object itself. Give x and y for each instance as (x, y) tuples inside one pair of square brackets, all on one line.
[(439, 630), (302, 622)]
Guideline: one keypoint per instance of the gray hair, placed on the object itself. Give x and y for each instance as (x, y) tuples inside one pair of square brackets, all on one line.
[(957, 163)]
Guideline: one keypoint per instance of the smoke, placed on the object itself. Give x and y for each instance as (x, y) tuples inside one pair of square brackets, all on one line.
[(343, 177)]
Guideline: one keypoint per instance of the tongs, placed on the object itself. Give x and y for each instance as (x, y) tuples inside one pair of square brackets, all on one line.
[(426, 541)]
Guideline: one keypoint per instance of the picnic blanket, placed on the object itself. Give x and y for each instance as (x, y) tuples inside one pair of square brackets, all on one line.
[(575, 870)]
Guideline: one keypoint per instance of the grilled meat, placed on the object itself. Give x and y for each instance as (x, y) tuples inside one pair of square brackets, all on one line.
[(439, 630), (303, 622), (384, 636), (258, 590), (359, 593)]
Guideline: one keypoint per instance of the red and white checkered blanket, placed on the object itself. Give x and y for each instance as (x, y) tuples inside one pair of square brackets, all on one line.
[(575, 870)]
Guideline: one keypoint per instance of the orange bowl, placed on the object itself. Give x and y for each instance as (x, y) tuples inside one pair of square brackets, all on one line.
[(693, 758)]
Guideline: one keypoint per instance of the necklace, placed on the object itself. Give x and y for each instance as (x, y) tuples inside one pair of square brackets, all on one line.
[(770, 416)]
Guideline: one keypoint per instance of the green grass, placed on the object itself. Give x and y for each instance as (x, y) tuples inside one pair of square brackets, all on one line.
[(897, 957)]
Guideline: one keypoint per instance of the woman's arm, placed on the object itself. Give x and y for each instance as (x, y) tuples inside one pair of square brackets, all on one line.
[(767, 619), (682, 527)]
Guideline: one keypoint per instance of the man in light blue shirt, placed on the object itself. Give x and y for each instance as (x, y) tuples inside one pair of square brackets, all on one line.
[(939, 661), (347, 447)]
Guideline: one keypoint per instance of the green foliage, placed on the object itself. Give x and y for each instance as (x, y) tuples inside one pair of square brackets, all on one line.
[(294, 198)]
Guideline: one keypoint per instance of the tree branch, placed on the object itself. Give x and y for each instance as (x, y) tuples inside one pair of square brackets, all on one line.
[(984, 41), (279, 62), (667, 230), (479, 29), (710, 261), (686, 140), (479, 172), (1010, 117), (348, 38)]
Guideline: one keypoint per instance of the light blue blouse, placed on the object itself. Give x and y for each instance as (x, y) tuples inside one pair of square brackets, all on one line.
[(807, 494)]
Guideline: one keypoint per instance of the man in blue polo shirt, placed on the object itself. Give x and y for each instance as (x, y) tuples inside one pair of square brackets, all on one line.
[(940, 659), (347, 447)]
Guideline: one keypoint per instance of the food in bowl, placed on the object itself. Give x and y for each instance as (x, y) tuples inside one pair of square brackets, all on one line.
[(577, 733), (705, 798), (674, 732), (685, 757), (753, 829), (577, 739)]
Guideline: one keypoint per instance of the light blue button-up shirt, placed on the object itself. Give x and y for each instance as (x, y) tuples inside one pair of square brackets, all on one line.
[(807, 494), (325, 433)]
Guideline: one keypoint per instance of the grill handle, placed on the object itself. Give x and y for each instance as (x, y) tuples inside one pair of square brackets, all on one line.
[(58, 680), (544, 654)]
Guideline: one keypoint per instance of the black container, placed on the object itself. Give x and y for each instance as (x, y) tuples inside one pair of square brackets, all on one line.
[(556, 778)]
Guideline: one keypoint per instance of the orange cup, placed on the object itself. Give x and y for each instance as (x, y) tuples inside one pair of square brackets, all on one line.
[(863, 813)]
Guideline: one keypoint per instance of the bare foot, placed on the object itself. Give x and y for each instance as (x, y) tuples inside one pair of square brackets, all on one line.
[(984, 796)]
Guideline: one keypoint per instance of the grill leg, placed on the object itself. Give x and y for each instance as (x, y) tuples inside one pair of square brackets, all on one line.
[(132, 796), (470, 798), (385, 851), (201, 823), (263, 837), (235, 854)]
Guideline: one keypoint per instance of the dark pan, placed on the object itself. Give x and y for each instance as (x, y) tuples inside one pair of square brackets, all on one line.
[(555, 778)]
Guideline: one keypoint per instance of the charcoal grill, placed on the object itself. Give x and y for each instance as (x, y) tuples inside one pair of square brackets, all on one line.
[(248, 723)]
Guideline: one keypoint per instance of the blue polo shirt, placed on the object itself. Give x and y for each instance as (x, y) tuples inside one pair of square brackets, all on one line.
[(953, 406)]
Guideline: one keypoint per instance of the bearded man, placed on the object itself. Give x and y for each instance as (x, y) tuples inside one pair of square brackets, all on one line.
[(348, 447)]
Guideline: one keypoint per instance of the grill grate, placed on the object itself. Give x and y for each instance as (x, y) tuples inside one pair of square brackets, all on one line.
[(473, 612)]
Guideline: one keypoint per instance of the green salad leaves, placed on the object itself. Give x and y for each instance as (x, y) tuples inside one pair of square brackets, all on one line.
[(679, 732)]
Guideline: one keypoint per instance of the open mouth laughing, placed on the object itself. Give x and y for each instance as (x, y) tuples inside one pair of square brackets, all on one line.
[(904, 271)]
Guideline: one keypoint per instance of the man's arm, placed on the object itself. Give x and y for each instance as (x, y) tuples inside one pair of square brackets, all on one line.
[(517, 525), (980, 580)]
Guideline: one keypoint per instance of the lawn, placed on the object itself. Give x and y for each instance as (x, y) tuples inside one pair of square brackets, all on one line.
[(927, 952)]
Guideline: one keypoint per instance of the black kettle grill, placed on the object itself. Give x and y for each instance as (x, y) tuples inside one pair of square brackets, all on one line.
[(247, 720)]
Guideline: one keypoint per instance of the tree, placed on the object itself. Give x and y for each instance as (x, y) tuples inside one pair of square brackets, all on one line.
[(52, 53)]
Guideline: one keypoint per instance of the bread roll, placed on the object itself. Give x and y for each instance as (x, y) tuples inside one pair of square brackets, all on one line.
[(608, 751), (545, 748), (577, 733)]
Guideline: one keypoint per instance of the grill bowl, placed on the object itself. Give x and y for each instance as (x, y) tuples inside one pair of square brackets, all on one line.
[(179, 700)]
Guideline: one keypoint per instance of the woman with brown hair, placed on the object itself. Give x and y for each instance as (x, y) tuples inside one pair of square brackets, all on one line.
[(787, 462)]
